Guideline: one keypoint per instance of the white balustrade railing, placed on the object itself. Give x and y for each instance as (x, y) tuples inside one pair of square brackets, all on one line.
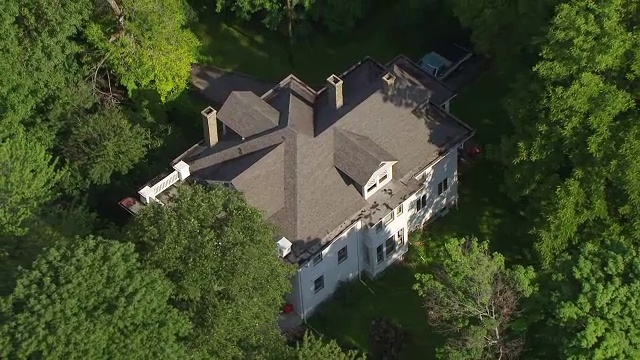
[(164, 184)]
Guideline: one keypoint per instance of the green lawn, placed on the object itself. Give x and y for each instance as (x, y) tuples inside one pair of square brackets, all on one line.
[(251, 49), (391, 296)]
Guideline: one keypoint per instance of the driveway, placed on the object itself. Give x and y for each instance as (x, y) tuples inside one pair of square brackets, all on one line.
[(216, 84), (471, 69)]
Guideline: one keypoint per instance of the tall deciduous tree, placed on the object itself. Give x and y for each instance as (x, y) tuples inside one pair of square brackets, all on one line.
[(104, 143), (592, 308), (576, 149), (221, 255), (146, 43), (38, 53), (91, 299), (316, 348), (473, 298), (27, 181), (510, 31)]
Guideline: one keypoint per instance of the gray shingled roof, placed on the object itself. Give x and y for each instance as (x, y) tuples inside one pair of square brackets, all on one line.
[(291, 171), (357, 156), (247, 114)]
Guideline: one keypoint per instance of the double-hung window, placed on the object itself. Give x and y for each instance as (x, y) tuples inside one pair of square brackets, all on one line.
[(390, 245), (380, 253), (317, 260), (318, 284), (389, 218), (442, 186), (421, 202), (400, 237), (342, 255)]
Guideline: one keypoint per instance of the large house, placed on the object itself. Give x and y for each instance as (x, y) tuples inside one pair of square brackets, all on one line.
[(344, 172)]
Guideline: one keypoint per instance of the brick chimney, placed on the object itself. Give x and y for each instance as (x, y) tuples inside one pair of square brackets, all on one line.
[(210, 125), (334, 87)]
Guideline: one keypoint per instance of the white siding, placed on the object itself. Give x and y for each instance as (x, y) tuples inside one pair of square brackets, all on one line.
[(374, 239), (447, 167), (329, 268)]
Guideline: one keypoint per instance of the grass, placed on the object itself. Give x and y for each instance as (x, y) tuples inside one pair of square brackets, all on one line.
[(251, 49), (391, 296)]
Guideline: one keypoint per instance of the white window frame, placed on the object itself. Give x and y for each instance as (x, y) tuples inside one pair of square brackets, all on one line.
[(400, 210), (421, 202), (400, 237), (379, 259), (388, 218), (379, 226), (390, 241)]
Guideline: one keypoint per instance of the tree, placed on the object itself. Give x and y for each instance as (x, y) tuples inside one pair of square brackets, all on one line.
[(221, 255), (91, 299), (575, 152), (590, 308), (339, 16), (146, 43), (520, 25), (275, 10), (104, 143), (473, 298), (38, 53), (315, 348), (27, 181)]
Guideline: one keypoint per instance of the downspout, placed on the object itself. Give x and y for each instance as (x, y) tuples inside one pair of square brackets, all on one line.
[(358, 251), (358, 255), (304, 310)]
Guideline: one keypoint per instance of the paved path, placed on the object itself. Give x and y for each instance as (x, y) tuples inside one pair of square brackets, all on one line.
[(216, 84)]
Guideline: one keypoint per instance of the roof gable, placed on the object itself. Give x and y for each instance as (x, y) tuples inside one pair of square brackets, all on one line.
[(247, 114)]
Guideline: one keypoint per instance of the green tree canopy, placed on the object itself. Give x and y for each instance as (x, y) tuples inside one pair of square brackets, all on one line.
[(91, 300), (104, 143), (591, 308), (576, 149), (316, 348), (146, 43), (27, 181), (221, 255), (473, 298), (38, 53), (510, 31)]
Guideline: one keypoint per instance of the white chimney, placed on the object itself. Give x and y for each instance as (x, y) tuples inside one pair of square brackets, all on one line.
[(183, 170), (210, 125), (334, 87), (284, 247), (388, 82)]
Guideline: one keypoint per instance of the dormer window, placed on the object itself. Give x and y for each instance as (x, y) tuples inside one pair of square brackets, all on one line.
[(372, 187), (362, 160), (380, 178)]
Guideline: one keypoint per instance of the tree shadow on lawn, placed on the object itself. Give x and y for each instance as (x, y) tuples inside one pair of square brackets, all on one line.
[(483, 209), (251, 48), (347, 317)]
